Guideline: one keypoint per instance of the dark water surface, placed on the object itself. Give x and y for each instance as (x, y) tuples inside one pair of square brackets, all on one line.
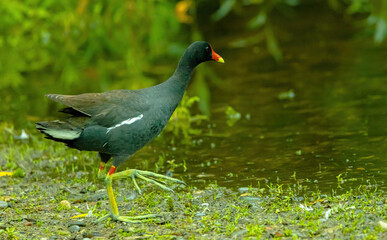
[(318, 117), (333, 122)]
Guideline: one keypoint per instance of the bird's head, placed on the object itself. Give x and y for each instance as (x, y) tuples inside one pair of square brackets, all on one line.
[(202, 52)]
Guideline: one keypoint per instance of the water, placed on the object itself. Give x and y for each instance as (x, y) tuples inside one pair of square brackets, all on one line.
[(317, 117)]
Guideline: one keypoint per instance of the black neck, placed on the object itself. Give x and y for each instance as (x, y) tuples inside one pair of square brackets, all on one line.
[(184, 70), (180, 78), (176, 85)]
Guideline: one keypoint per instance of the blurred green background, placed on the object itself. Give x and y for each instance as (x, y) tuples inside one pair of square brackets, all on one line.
[(76, 46)]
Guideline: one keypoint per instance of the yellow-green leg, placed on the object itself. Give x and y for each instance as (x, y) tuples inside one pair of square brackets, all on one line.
[(133, 174), (101, 171)]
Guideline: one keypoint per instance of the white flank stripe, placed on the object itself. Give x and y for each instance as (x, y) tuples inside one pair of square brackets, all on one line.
[(126, 122)]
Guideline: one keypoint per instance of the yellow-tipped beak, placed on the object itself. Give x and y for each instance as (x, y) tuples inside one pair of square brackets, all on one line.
[(217, 57), (220, 60)]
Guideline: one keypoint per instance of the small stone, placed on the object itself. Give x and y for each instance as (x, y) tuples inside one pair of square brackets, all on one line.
[(78, 223), (251, 199), (239, 234), (97, 196), (74, 228), (87, 234), (86, 239), (299, 199), (243, 189), (96, 234), (383, 225), (127, 229), (201, 214), (3, 204), (64, 204)]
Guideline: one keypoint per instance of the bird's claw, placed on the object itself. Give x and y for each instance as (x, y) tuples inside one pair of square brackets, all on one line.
[(128, 219), (147, 176)]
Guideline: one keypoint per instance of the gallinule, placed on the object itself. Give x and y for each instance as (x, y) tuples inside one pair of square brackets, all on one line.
[(118, 123)]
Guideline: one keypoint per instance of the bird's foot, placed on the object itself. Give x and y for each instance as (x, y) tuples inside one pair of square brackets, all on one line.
[(134, 219), (157, 179)]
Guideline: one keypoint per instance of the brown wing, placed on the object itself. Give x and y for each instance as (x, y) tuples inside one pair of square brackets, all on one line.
[(105, 108), (87, 103)]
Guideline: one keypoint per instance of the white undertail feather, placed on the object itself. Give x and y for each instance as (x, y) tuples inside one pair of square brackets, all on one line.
[(63, 134)]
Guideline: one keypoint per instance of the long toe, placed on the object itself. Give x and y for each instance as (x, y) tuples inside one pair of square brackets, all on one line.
[(151, 177), (103, 218), (156, 175), (138, 219), (161, 185), (130, 219)]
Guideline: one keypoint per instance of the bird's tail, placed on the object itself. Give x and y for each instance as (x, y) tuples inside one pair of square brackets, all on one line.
[(59, 130)]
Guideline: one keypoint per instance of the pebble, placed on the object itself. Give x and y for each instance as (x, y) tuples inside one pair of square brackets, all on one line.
[(74, 228), (299, 199), (239, 234), (201, 214), (3, 204), (383, 225), (251, 199), (64, 204), (132, 196), (243, 189), (28, 224), (78, 223), (96, 234), (97, 196), (246, 189)]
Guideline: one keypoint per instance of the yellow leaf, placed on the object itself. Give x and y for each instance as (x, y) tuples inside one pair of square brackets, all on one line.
[(2, 174), (181, 11)]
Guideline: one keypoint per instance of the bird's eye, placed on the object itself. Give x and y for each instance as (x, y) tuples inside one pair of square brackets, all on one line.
[(207, 49)]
